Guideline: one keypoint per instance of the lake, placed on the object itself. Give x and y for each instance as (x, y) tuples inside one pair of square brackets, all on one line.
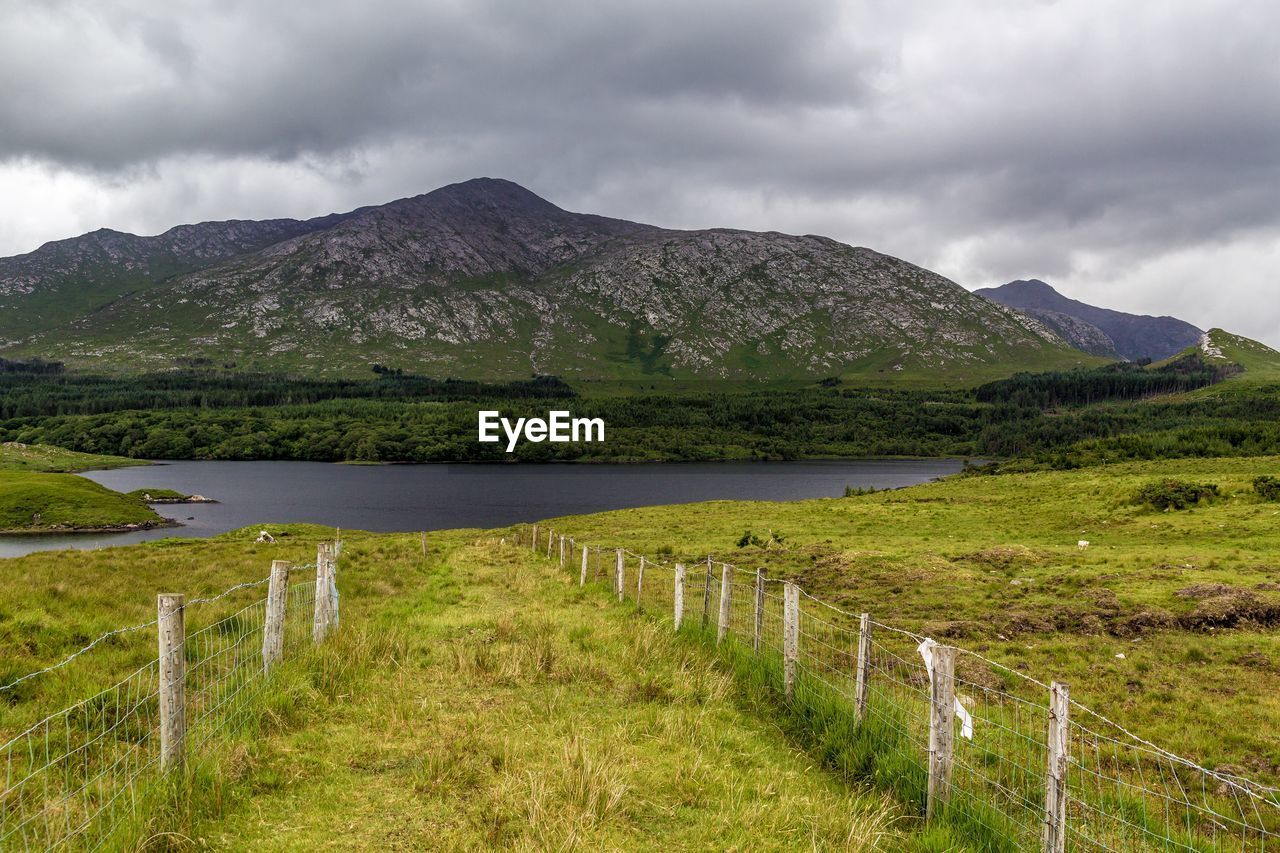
[(391, 498)]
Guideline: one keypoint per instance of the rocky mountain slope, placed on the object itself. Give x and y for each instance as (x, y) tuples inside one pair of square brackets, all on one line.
[(1132, 336), (486, 279)]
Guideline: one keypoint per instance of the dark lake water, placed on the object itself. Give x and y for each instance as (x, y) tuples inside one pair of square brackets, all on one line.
[(432, 497)]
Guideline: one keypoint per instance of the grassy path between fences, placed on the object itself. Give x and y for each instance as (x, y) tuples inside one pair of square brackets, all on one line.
[(523, 712)]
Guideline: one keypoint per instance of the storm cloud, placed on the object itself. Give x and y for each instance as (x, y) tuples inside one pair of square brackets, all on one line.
[(1128, 153)]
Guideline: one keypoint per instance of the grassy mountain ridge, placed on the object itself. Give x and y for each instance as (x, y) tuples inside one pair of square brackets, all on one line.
[(486, 279), (1261, 364)]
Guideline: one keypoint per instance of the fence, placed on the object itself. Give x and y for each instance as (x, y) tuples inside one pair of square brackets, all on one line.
[(1013, 761), (75, 778)]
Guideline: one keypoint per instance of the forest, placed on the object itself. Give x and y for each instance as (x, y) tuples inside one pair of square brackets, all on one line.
[(1119, 381), (1025, 422), (31, 393)]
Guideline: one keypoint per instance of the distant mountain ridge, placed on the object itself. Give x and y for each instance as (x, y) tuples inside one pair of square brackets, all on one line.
[(1131, 336), (485, 279)]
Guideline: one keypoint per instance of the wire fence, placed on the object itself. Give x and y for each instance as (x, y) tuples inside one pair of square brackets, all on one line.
[(81, 776), (1010, 759)]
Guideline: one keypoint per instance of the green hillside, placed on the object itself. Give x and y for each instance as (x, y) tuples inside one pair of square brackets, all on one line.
[(16, 456), (33, 502), (1258, 360)]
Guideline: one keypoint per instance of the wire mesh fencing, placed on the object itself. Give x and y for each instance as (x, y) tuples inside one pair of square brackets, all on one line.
[(80, 777), (1009, 760)]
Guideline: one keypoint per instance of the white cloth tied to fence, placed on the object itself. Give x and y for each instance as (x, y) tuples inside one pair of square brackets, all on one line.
[(966, 719)]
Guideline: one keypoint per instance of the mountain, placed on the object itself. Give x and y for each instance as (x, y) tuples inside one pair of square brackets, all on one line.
[(1132, 336), (486, 279)]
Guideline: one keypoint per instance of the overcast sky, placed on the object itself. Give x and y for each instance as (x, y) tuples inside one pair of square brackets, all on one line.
[(1128, 153)]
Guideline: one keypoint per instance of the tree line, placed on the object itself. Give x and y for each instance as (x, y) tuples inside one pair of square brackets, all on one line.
[(28, 394), (414, 419)]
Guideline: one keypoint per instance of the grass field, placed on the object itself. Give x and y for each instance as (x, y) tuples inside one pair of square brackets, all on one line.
[(38, 494), (477, 698), (1166, 620), (473, 699)]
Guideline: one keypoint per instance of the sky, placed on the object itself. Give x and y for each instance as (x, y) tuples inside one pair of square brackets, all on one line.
[(1127, 153)]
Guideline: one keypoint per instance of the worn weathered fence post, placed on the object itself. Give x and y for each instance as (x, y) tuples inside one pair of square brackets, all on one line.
[(864, 659), (334, 599), (273, 623), (324, 603), (759, 620), (639, 583), (790, 635), (562, 550), (678, 596), (1054, 837), (551, 538), (533, 539), (582, 578), (726, 598), (620, 577), (706, 595), (171, 629), (942, 714)]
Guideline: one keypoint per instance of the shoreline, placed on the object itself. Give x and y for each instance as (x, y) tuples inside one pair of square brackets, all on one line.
[(101, 529)]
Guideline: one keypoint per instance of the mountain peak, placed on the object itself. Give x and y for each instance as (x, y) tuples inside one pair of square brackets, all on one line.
[(492, 191), (1031, 286), (1135, 336)]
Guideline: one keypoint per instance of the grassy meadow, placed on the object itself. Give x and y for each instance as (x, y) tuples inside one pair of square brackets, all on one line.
[(38, 493), (475, 697), (1165, 621)]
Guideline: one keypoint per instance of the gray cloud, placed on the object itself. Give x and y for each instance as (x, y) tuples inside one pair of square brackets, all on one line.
[(1128, 152)]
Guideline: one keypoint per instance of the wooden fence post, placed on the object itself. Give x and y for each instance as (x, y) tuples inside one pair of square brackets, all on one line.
[(273, 624), (533, 539), (582, 578), (864, 659), (679, 595), (171, 629), (706, 596), (726, 598), (562, 550), (551, 538), (759, 621), (639, 583), (320, 621), (942, 713), (620, 578), (790, 635), (1054, 837)]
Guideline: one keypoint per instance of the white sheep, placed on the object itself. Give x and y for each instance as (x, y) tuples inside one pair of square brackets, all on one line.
[(1082, 544)]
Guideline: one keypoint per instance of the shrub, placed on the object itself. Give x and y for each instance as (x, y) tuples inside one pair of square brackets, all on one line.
[(749, 538), (1268, 488), (1175, 494), (854, 491)]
